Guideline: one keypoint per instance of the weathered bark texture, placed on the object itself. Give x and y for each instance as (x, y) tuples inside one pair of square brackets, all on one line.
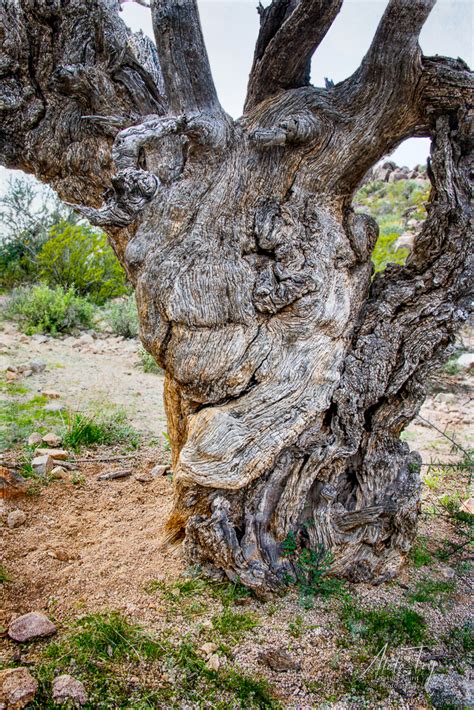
[(290, 373)]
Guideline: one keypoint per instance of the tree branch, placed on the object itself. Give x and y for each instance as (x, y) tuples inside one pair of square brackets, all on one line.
[(186, 70), (290, 32), (63, 60)]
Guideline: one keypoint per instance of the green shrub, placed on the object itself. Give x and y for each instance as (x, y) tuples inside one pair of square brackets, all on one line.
[(78, 256), (122, 317), (148, 362), (40, 309), (105, 429)]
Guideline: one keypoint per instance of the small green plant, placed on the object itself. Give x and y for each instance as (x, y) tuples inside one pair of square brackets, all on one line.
[(104, 648), (420, 555), (4, 576), (461, 639), (20, 416), (432, 591), (231, 623), (296, 627), (40, 309), (389, 625), (122, 317), (148, 363), (89, 429), (311, 569)]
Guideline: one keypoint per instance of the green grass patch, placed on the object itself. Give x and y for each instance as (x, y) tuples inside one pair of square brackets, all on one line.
[(432, 591), (233, 624), (90, 429), (104, 650), (420, 555), (20, 417), (392, 626), (4, 576)]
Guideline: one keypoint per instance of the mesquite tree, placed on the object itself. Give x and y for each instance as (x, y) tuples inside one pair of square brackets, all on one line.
[(290, 371)]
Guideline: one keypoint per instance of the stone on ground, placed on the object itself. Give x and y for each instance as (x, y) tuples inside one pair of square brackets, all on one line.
[(59, 454), (42, 465), (450, 690), (69, 690), (31, 626), (12, 484), (279, 660), (16, 518), (17, 688), (51, 439), (34, 439)]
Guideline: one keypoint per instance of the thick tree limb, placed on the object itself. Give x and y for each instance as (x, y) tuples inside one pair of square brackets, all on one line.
[(61, 61), (186, 70), (290, 32)]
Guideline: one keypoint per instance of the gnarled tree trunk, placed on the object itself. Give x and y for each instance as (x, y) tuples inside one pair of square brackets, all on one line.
[(290, 372)]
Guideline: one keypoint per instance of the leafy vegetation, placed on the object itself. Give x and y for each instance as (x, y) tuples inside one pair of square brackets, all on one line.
[(27, 212), (104, 648), (389, 204), (20, 417), (231, 623), (432, 591), (392, 626), (311, 569), (122, 317), (4, 576), (40, 309), (420, 555), (148, 362), (88, 429), (76, 256)]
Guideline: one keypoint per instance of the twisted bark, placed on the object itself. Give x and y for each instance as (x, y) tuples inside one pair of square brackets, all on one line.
[(290, 373)]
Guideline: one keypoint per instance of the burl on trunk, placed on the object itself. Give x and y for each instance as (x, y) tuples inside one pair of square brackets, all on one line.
[(290, 370)]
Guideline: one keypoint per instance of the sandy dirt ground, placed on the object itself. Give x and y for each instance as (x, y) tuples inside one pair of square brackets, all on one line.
[(90, 544)]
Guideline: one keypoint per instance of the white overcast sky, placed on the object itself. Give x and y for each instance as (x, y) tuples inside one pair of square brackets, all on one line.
[(230, 28)]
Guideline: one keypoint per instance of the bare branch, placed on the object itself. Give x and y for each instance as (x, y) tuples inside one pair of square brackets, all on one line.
[(186, 70), (290, 32)]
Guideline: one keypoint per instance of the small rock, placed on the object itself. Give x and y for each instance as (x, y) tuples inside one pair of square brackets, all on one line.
[(58, 454), (159, 470), (31, 626), (209, 648), (42, 465), (60, 554), (467, 506), (54, 407), (448, 572), (51, 394), (143, 478), (39, 338), (12, 368), (16, 518), (279, 660), (37, 365), (34, 439), (17, 688), (12, 484), (449, 690), (11, 376), (27, 373), (59, 472), (111, 475), (214, 662), (51, 439)]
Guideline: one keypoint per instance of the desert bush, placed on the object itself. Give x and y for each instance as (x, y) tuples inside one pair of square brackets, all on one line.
[(40, 309), (122, 317), (27, 212), (78, 256), (148, 362), (92, 428)]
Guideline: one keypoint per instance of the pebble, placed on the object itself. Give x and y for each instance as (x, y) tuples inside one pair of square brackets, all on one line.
[(16, 518), (34, 439), (209, 648), (51, 439), (69, 690), (42, 465), (30, 626), (51, 394), (58, 454), (17, 688), (214, 662), (279, 660), (159, 470)]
